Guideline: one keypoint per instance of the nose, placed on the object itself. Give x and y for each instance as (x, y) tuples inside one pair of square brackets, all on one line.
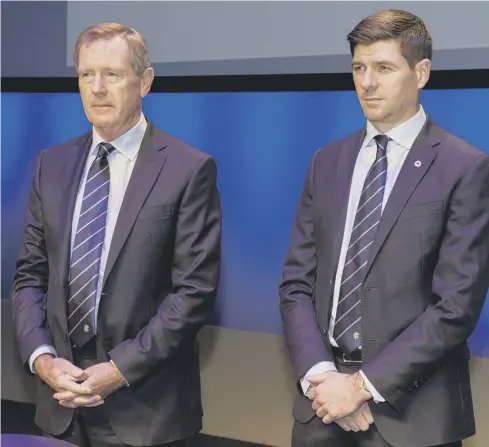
[(369, 80), (98, 86)]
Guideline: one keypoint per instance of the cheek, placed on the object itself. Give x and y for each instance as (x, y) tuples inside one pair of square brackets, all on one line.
[(408, 87), (358, 83), (398, 89), (87, 101), (118, 98), (85, 94), (129, 97)]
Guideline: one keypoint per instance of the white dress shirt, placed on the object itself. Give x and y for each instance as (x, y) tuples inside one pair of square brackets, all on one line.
[(402, 138), (121, 164)]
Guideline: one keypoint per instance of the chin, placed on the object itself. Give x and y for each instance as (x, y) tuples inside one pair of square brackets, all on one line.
[(101, 122), (374, 115)]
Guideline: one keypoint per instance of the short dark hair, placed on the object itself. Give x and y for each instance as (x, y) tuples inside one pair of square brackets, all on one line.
[(394, 24)]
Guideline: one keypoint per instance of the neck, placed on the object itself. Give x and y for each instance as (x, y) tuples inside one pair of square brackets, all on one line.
[(112, 133), (386, 125)]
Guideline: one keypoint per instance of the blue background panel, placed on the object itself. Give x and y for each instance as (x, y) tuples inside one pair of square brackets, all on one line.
[(263, 144)]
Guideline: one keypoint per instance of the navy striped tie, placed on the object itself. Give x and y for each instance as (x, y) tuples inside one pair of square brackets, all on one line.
[(87, 249), (347, 329)]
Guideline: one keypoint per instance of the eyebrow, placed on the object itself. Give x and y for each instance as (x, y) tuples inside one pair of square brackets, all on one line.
[(102, 68), (381, 62)]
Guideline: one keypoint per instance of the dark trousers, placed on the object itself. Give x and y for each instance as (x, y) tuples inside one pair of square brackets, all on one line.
[(317, 434), (91, 426)]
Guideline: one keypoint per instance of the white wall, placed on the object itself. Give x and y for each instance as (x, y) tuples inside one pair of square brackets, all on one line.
[(228, 37), (271, 34)]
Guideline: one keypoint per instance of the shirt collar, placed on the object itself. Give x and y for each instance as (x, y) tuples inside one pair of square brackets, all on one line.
[(403, 134), (127, 144)]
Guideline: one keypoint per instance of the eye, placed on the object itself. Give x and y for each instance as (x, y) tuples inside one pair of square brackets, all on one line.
[(358, 68), (112, 77), (384, 68)]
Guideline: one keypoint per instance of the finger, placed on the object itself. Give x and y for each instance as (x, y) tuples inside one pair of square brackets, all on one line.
[(368, 416), (315, 405), (327, 419), (68, 404), (348, 424), (321, 412), (65, 384), (331, 414), (100, 402), (69, 395), (352, 424), (360, 421), (65, 395), (343, 424), (85, 401)]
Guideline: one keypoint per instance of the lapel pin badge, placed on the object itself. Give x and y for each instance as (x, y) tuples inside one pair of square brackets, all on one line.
[(417, 163)]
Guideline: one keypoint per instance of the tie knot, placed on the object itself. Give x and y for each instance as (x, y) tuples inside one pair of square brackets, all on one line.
[(382, 141), (104, 149)]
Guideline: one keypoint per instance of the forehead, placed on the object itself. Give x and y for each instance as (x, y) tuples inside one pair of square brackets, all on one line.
[(385, 50), (114, 51)]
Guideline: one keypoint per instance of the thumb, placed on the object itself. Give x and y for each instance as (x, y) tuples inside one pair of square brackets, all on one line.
[(315, 379), (74, 371)]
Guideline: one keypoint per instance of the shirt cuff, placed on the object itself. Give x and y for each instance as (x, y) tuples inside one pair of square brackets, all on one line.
[(123, 378), (43, 349), (375, 394), (318, 368)]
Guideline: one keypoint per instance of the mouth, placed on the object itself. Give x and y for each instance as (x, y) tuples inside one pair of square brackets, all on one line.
[(372, 102)]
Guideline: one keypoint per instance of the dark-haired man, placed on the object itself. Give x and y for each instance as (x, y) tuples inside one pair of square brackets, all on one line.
[(388, 265)]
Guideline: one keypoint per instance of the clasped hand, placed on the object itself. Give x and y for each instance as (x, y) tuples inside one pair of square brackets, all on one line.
[(341, 398), (75, 387)]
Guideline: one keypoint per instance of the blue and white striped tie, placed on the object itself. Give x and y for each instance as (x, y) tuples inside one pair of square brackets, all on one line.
[(87, 249), (347, 329)]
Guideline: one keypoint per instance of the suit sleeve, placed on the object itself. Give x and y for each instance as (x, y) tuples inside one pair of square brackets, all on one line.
[(303, 336), (31, 278), (460, 282), (195, 276)]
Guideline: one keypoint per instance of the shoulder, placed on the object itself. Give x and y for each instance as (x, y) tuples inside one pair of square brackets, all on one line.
[(455, 146), (330, 153), (351, 140), (179, 152), (69, 147), (457, 153)]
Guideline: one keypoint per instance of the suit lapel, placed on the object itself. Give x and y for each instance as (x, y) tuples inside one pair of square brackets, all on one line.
[(344, 173), (417, 163), (70, 177), (148, 165)]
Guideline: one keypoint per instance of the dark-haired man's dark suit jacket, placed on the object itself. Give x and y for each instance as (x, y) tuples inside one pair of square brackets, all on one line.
[(159, 285), (427, 279)]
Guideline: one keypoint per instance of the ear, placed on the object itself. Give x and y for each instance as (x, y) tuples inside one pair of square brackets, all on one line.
[(423, 70), (147, 81)]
